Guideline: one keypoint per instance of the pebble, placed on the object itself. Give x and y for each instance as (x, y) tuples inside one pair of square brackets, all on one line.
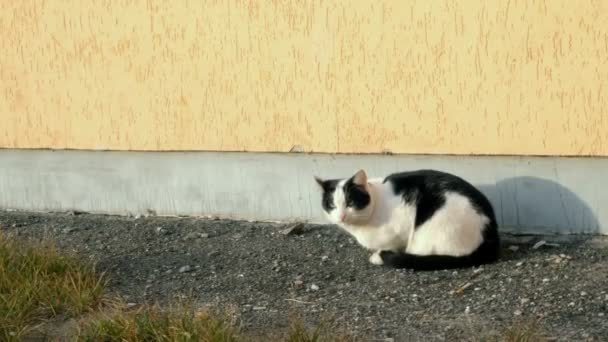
[(519, 263), (259, 308), (583, 293), (517, 313), (314, 287), (514, 248), (130, 305), (185, 269), (298, 282), (545, 280), (293, 230), (539, 244), (191, 236)]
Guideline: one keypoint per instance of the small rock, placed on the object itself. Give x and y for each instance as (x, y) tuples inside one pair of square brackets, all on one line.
[(324, 258), (194, 236), (539, 244), (130, 305), (519, 263), (298, 282), (294, 229), (545, 280), (259, 308), (583, 293), (314, 287), (601, 314), (467, 310), (517, 313), (185, 269), (524, 300), (514, 248), (191, 236)]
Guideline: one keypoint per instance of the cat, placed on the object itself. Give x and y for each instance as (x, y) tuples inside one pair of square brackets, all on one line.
[(421, 220)]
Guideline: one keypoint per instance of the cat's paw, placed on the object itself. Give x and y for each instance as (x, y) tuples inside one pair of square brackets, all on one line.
[(376, 259)]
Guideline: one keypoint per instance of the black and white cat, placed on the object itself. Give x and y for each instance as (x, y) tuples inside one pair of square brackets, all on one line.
[(420, 220)]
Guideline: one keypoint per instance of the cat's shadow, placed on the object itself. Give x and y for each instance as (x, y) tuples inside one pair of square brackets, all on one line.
[(530, 205)]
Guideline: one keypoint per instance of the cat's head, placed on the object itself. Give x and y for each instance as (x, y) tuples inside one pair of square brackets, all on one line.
[(347, 201)]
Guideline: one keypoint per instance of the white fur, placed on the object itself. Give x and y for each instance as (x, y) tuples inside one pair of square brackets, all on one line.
[(388, 224)]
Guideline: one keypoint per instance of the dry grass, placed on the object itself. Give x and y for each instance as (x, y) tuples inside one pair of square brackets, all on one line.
[(520, 331), (38, 283), (151, 323), (186, 323)]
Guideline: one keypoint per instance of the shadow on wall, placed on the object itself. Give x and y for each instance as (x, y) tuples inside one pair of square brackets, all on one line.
[(530, 205)]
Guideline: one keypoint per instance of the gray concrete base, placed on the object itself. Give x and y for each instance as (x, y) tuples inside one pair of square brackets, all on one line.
[(530, 194)]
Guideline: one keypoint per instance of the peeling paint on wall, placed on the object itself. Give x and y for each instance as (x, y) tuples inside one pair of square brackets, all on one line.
[(513, 77)]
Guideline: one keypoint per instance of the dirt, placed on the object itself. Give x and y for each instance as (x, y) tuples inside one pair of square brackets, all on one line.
[(318, 272)]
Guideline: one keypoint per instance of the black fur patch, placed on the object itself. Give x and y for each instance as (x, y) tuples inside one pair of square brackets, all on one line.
[(426, 189), (355, 195), (329, 187)]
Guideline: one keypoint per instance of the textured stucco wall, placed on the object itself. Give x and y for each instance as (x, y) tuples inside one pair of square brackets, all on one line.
[(481, 77)]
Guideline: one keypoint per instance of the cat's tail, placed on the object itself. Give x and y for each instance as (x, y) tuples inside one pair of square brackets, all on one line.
[(484, 254)]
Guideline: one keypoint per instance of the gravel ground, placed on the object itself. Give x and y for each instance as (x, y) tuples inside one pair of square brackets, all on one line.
[(319, 273)]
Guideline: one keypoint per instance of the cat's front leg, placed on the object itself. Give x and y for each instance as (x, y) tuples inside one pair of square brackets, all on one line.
[(375, 258)]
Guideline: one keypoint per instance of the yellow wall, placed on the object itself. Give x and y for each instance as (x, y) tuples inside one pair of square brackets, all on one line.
[(483, 77)]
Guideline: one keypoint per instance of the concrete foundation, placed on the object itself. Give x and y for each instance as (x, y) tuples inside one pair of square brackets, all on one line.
[(540, 195)]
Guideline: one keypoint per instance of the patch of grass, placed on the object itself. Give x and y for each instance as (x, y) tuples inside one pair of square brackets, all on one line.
[(38, 283), (521, 331), (151, 323), (185, 323), (321, 333)]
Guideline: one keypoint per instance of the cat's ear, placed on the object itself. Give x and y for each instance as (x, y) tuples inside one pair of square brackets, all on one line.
[(320, 182), (360, 178)]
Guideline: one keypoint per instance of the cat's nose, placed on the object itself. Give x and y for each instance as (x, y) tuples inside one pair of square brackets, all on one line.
[(342, 217)]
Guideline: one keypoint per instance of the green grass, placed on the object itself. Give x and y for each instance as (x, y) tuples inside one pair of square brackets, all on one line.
[(151, 323), (38, 283), (184, 323)]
